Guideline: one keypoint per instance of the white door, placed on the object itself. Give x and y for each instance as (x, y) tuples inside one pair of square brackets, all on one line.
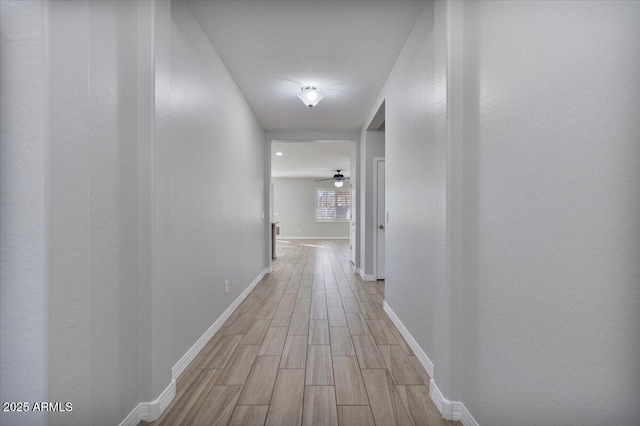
[(352, 232), (380, 215)]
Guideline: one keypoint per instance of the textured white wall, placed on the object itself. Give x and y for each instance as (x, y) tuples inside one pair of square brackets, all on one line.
[(212, 195), (132, 163), (512, 149), (551, 236), (294, 202), (23, 150), (93, 294), (159, 323), (416, 191)]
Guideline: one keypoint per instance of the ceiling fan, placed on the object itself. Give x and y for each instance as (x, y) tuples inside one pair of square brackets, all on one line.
[(338, 179)]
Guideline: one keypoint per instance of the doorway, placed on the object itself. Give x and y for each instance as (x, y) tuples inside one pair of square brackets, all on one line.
[(310, 192), (379, 219), (354, 228)]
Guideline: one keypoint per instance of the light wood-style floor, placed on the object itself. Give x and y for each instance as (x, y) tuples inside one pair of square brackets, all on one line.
[(310, 345)]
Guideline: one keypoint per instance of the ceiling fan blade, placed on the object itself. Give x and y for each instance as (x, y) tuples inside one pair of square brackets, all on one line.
[(319, 180)]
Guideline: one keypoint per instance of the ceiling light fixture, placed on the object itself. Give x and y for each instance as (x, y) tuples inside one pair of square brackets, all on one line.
[(338, 179), (310, 96), (279, 154)]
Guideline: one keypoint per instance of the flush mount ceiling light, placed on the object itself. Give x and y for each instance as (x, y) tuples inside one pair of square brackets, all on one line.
[(310, 96), (279, 154)]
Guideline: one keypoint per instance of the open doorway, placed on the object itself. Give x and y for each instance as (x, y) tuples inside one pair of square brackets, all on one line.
[(311, 195), (379, 216), (376, 215)]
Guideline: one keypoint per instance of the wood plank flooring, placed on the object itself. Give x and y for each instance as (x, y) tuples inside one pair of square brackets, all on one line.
[(310, 345)]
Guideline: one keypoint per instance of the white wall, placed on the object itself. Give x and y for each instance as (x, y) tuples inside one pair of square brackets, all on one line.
[(120, 128), (210, 195), (23, 229), (511, 154), (294, 209), (372, 144), (551, 236), (415, 162), (93, 199)]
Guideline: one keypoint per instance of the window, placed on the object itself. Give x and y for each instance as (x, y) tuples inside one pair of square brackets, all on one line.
[(333, 204)]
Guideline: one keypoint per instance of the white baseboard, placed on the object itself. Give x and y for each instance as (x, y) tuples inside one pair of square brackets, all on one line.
[(442, 403), (450, 410), (186, 359), (157, 407), (139, 414), (311, 238), (364, 276), (150, 411), (422, 357), (459, 412)]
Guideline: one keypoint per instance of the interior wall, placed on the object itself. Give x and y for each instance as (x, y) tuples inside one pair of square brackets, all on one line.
[(210, 197), (372, 144), (93, 200), (414, 96), (140, 179), (294, 209), (550, 230), (23, 210), (511, 142)]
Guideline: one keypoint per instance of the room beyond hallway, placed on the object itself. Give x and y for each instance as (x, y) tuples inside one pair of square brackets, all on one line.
[(310, 345)]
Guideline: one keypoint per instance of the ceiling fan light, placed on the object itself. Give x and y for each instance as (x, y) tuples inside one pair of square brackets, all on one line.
[(310, 96), (338, 183)]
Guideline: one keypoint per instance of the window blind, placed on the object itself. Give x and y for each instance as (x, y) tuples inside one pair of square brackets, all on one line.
[(333, 204)]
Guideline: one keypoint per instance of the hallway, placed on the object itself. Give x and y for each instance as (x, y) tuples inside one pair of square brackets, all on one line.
[(309, 344), (137, 198)]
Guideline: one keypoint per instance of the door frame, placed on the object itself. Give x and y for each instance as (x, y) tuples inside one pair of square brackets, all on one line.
[(298, 137), (353, 221), (376, 160)]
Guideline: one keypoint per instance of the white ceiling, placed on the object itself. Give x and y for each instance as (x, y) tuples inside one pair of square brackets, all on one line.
[(272, 48), (306, 159)]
